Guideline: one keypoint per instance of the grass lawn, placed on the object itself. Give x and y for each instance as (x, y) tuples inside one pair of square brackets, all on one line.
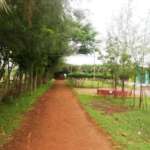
[(12, 113), (90, 83), (130, 129), (95, 84)]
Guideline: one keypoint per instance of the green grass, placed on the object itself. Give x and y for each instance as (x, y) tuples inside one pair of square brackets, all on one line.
[(12, 113), (91, 84), (95, 84), (131, 130)]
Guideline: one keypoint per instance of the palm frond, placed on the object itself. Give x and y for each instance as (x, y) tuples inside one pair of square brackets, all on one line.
[(4, 6)]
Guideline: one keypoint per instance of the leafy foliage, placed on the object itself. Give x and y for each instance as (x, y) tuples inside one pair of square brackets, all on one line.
[(34, 37), (83, 38)]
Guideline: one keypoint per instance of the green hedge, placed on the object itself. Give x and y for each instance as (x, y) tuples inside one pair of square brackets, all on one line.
[(80, 75)]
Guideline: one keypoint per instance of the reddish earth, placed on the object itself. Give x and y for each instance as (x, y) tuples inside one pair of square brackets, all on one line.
[(59, 123), (91, 91), (108, 108)]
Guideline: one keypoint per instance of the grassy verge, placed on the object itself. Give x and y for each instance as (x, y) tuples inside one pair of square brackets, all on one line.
[(90, 84), (11, 114), (130, 129), (95, 84)]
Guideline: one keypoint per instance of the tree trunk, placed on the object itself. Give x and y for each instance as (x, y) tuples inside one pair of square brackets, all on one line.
[(141, 96), (2, 70), (134, 88), (35, 81), (31, 80), (123, 85), (141, 89), (20, 82)]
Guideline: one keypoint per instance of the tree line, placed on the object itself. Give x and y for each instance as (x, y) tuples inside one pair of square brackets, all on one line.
[(124, 51), (34, 37)]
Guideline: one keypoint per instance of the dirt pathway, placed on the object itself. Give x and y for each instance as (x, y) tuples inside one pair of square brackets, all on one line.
[(58, 123)]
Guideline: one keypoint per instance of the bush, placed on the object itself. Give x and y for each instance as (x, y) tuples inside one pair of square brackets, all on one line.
[(80, 75)]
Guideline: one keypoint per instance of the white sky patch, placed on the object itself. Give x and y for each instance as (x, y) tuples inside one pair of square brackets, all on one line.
[(101, 13), (82, 60)]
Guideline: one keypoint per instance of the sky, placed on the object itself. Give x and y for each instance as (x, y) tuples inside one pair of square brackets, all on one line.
[(100, 14), (83, 59)]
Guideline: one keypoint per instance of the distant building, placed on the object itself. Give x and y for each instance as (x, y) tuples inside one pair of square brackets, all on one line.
[(145, 77)]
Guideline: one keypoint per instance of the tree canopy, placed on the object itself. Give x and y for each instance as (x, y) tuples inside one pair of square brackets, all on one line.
[(34, 37)]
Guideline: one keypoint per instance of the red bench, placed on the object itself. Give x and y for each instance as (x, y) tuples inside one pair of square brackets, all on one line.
[(104, 92), (117, 93)]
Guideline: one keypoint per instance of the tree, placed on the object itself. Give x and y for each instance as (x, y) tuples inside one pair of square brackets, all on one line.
[(4, 6), (112, 58), (34, 38), (121, 42), (83, 38), (125, 69)]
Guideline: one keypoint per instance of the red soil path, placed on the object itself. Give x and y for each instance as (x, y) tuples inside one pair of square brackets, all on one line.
[(59, 123)]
